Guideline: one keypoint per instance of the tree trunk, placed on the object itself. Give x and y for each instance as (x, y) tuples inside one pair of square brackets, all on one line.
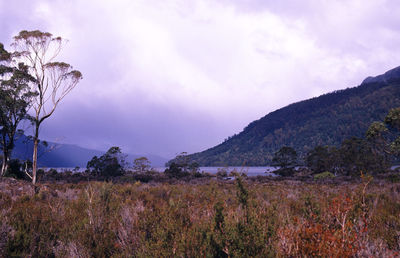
[(35, 151), (5, 164)]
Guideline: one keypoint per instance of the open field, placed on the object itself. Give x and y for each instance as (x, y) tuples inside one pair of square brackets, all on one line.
[(203, 218)]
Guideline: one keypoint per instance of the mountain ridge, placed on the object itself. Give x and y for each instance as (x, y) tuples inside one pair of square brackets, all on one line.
[(324, 120), (388, 77), (67, 155)]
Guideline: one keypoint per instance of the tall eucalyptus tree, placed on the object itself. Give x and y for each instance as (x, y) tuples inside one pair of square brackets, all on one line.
[(53, 79)]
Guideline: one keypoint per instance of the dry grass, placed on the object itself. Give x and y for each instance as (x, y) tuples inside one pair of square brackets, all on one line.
[(209, 219)]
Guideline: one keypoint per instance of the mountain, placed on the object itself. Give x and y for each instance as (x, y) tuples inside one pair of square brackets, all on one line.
[(324, 120), (67, 155), (390, 76)]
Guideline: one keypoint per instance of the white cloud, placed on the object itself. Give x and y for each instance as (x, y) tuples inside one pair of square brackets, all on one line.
[(229, 62)]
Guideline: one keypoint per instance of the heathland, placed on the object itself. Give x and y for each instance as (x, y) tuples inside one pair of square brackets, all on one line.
[(202, 217)]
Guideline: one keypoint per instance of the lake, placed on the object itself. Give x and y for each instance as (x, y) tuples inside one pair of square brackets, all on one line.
[(249, 171)]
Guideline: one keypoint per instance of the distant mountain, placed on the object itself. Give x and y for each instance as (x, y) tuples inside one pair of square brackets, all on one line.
[(391, 76), (324, 120), (67, 155)]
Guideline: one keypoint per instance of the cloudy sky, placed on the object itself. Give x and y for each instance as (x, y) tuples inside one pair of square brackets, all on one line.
[(166, 76)]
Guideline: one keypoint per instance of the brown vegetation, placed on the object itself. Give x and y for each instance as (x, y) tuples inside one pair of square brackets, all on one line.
[(206, 218)]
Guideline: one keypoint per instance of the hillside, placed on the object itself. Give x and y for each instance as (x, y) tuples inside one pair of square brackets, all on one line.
[(67, 155), (324, 120)]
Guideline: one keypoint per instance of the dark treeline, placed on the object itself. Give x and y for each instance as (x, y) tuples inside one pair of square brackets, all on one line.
[(375, 153)]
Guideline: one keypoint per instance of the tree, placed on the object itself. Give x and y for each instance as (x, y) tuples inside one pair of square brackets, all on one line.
[(286, 157), (141, 164), (110, 164), (53, 79), (321, 159), (357, 155), (15, 98), (376, 131), (384, 136), (286, 160), (376, 137), (181, 166), (393, 120)]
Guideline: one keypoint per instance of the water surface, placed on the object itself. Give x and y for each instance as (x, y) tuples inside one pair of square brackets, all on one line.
[(249, 171)]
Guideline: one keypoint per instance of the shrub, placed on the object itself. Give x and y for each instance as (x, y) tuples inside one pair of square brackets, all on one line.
[(324, 175), (15, 169), (394, 178), (285, 171), (222, 172)]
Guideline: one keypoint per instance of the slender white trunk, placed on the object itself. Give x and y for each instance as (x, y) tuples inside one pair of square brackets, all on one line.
[(4, 166), (35, 151)]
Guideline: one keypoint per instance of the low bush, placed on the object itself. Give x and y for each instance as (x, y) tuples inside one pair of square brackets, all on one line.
[(15, 169), (286, 172), (324, 175)]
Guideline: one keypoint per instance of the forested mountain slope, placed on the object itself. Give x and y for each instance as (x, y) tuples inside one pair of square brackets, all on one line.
[(324, 120)]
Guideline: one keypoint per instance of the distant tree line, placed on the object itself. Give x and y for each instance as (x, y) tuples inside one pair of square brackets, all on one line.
[(113, 164), (375, 153)]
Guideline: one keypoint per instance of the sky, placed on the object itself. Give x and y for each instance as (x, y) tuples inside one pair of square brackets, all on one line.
[(170, 76)]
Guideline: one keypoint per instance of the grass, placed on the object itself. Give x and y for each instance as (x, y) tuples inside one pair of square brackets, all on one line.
[(210, 218)]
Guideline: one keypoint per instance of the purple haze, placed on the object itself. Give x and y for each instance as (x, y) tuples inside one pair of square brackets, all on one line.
[(163, 77)]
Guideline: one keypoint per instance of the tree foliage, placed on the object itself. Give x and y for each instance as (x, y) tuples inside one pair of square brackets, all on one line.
[(141, 164), (357, 156), (286, 157), (393, 118), (372, 154), (322, 158), (110, 164), (385, 136), (15, 100), (181, 166), (286, 160)]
